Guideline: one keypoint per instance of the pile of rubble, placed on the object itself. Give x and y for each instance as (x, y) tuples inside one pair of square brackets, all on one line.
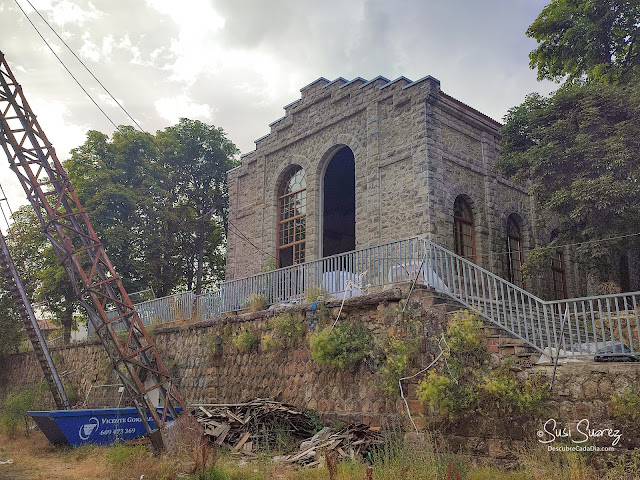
[(353, 441), (244, 427)]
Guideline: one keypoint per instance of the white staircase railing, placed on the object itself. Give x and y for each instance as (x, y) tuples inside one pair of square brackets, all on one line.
[(606, 326)]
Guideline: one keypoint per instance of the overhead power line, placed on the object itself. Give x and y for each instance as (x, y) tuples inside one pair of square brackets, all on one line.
[(236, 231), (65, 67), (576, 244), (84, 65)]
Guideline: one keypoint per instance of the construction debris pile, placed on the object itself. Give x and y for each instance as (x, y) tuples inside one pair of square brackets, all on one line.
[(243, 427), (353, 441), (257, 425)]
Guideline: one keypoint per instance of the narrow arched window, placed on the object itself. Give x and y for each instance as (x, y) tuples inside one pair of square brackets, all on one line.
[(558, 271), (463, 229), (515, 251), (292, 210), (559, 278)]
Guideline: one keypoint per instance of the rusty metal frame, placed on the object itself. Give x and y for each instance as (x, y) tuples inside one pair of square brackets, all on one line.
[(64, 221)]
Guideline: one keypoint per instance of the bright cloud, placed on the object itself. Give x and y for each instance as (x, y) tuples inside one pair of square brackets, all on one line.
[(237, 63), (172, 108)]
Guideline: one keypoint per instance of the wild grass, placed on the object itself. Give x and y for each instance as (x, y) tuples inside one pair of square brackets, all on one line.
[(397, 459)]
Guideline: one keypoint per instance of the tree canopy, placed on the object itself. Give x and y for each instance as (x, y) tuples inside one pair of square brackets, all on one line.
[(158, 204), (577, 149), (579, 152), (596, 39)]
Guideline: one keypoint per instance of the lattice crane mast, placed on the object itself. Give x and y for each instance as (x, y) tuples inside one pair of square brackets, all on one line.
[(98, 287)]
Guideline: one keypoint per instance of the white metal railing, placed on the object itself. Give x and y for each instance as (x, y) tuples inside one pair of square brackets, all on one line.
[(371, 266), (173, 308), (605, 325)]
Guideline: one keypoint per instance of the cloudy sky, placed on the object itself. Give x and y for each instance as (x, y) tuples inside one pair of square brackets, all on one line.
[(236, 63)]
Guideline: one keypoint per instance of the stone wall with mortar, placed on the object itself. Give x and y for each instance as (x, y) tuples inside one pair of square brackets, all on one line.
[(581, 395), (415, 149), (207, 374)]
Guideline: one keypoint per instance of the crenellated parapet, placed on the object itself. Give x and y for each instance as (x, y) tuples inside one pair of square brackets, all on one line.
[(347, 96), (414, 148)]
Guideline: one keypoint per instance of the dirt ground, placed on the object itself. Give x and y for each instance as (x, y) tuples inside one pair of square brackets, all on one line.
[(34, 458)]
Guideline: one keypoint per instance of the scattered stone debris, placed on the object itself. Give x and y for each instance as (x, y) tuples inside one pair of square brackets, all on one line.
[(240, 427)]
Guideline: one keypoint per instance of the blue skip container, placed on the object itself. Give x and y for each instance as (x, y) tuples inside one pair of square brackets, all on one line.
[(96, 427)]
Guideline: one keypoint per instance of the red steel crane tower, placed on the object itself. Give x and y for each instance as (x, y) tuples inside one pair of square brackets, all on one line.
[(99, 289)]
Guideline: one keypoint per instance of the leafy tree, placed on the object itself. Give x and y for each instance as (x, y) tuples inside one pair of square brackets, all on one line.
[(158, 204), (596, 39), (198, 157), (578, 152), (43, 276), (11, 333), (577, 149)]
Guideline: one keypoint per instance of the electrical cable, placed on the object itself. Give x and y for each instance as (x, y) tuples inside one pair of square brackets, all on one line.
[(577, 244), (246, 239), (66, 68), (237, 230), (85, 66)]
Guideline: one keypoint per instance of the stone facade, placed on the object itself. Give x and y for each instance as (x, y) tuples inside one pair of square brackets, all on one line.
[(415, 150)]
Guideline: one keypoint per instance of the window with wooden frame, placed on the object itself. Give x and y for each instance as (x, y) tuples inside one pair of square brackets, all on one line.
[(292, 211), (463, 229), (515, 251), (559, 279)]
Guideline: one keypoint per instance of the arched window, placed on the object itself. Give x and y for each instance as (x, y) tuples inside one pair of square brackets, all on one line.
[(558, 272), (463, 229), (292, 210), (515, 251), (559, 279)]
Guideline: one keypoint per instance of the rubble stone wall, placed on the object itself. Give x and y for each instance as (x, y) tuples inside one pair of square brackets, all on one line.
[(207, 373)]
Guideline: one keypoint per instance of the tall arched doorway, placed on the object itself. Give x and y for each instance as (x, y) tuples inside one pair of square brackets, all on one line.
[(339, 204)]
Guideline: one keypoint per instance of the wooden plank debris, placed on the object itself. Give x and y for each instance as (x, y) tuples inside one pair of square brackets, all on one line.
[(239, 445), (241, 427)]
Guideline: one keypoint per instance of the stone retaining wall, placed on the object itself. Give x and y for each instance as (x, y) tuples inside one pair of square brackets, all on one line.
[(207, 373)]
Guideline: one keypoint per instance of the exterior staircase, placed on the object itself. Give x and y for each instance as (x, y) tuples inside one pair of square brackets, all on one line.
[(603, 326)]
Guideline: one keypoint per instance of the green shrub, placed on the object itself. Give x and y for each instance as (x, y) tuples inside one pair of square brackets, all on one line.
[(214, 345), (466, 383), (257, 302), (465, 336), (288, 326), (397, 353), (72, 392), (626, 405), (512, 396), (245, 340), (270, 342), (441, 394), (311, 294), (343, 346), (13, 412)]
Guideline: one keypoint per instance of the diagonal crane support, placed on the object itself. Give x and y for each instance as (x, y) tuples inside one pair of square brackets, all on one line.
[(135, 357), (16, 288)]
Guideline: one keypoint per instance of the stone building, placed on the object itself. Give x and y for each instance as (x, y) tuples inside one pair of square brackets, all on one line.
[(364, 162)]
